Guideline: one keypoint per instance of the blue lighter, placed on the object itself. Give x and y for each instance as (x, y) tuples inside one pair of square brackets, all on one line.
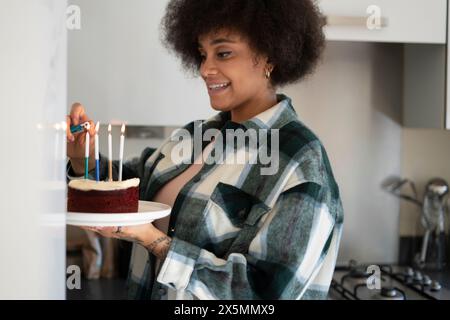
[(80, 127)]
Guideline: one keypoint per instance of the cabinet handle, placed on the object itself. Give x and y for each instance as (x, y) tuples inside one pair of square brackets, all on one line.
[(349, 21)]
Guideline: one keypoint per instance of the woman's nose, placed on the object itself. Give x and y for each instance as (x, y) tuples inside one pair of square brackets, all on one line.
[(208, 68)]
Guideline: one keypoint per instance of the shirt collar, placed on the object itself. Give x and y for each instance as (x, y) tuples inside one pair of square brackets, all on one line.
[(273, 118)]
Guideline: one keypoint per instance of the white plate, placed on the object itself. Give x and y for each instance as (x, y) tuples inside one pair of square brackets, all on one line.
[(148, 211)]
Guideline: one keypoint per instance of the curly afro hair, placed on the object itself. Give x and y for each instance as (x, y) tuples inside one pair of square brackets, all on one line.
[(289, 32)]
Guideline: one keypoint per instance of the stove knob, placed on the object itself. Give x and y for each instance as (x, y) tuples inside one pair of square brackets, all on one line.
[(426, 280), (409, 272), (418, 276), (389, 292), (435, 286)]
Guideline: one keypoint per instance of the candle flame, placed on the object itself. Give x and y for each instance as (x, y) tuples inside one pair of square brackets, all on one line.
[(109, 128), (123, 128), (97, 127)]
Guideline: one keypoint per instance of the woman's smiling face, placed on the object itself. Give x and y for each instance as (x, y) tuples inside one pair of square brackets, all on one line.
[(234, 74)]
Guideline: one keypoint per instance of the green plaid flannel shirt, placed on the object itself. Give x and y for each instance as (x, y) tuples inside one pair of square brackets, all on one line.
[(237, 234)]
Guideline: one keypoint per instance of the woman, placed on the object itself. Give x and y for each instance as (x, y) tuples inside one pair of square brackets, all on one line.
[(234, 232)]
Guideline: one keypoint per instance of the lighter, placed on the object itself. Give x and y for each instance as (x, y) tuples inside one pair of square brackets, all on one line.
[(80, 127)]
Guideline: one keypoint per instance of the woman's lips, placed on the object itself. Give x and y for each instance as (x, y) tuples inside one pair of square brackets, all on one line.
[(218, 90)]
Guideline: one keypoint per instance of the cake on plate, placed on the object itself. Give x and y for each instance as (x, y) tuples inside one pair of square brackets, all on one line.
[(90, 196)]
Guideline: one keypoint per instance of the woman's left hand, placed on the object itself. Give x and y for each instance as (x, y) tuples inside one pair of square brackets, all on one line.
[(146, 235)]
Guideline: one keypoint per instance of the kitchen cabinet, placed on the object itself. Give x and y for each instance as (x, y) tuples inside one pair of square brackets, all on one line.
[(120, 71), (426, 90), (421, 28), (424, 86), (403, 21)]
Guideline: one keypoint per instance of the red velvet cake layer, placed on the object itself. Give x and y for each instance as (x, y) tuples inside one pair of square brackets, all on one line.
[(95, 201)]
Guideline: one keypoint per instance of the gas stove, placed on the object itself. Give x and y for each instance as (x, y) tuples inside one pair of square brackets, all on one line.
[(388, 282)]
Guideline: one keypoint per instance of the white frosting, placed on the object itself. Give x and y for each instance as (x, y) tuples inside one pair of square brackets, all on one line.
[(86, 185)]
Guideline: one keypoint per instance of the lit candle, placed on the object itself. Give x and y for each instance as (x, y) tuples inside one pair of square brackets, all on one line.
[(97, 155), (110, 152), (86, 154), (122, 142)]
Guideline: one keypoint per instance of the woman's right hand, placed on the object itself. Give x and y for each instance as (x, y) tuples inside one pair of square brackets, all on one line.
[(76, 142)]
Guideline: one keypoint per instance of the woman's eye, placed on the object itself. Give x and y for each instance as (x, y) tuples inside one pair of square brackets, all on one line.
[(224, 54), (221, 55)]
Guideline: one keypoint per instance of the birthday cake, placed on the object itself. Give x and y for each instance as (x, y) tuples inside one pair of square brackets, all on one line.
[(90, 196)]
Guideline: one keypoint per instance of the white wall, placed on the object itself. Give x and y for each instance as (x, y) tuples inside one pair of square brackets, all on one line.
[(32, 194), (353, 103), (121, 72)]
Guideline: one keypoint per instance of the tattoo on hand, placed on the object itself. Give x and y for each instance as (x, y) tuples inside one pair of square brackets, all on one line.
[(164, 244)]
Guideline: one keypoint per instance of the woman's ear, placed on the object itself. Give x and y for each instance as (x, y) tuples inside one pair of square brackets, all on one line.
[(268, 68)]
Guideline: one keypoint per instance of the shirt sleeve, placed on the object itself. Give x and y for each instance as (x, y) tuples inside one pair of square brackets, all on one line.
[(288, 249)]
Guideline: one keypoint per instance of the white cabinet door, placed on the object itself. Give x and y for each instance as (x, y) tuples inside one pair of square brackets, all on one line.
[(405, 21), (120, 71)]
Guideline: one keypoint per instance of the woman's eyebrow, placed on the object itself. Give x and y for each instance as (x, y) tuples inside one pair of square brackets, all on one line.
[(218, 41)]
